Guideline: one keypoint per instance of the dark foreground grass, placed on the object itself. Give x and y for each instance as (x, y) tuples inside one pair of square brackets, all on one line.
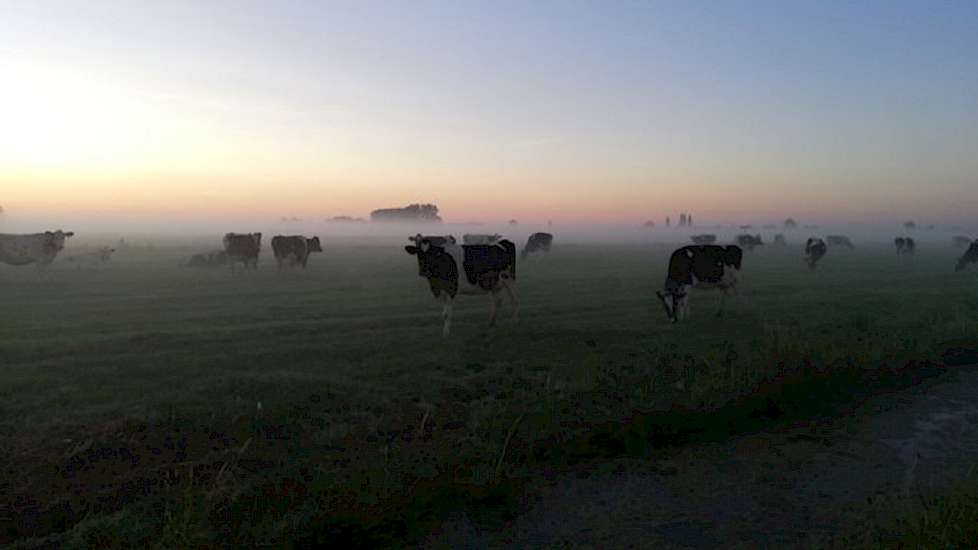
[(154, 406)]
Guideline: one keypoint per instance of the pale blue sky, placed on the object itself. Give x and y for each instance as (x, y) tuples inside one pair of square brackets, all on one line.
[(567, 110)]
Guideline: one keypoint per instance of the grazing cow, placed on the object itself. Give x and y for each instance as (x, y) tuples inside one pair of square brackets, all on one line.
[(470, 238), (961, 241), (970, 256), (294, 249), (839, 240), (814, 251), (904, 245), (779, 240), (748, 242), (537, 241), (39, 248), (467, 269), (705, 238), (243, 248), (699, 266), (90, 260), (214, 258)]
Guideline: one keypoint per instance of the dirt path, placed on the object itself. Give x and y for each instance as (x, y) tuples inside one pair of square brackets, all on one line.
[(791, 489)]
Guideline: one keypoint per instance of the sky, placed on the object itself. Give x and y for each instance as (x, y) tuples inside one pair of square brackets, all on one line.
[(573, 111)]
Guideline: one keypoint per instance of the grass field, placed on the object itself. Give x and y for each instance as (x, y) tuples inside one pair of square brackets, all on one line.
[(353, 346)]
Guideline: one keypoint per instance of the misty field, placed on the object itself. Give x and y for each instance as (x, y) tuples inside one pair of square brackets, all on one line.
[(84, 354)]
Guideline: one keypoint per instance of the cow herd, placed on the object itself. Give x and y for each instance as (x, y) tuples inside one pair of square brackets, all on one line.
[(482, 264)]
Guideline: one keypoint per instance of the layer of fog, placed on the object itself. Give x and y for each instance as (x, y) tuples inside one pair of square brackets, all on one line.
[(211, 232)]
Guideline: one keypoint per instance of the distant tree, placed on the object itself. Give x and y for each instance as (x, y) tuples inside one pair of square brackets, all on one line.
[(689, 220), (682, 219), (513, 222), (667, 221), (649, 223), (414, 212), (790, 223), (909, 225), (345, 219)]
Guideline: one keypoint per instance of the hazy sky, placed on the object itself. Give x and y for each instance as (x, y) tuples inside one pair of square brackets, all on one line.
[(546, 110)]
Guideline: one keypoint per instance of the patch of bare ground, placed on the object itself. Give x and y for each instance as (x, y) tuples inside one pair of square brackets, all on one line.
[(831, 483)]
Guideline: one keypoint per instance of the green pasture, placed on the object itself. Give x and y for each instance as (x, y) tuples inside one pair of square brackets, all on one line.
[(144, 340), (146, 335)]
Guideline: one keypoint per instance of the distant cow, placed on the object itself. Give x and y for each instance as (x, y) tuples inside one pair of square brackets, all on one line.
[(839, 240), (970, 256), (435, 240), (748, 242), (814, 251), (294, 249), (961, 241), (537, 241), (699, 266), (904, 245), (90, 260), (39, 248), (243, 248), (215, 258), (705, 238), (470, 238), (779, 240), (467, 269)]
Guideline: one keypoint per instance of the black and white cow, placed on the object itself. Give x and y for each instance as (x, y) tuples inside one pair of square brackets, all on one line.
[(904, 245), (481, 238), (699, 266), (814, 251), (971, 255), (39, 248), (705, 238), (839, 240), (452, 269), (294, 249), (779, 240), (243, 248), (537, 241), (961, 240), (436, 240)]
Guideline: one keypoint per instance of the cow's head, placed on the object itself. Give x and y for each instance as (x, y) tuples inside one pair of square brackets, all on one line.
[(425, 253), (314, 245), (673, 302), (54, 241), (257, 239)]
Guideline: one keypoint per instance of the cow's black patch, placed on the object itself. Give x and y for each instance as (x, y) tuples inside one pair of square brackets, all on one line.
[(484, 264)]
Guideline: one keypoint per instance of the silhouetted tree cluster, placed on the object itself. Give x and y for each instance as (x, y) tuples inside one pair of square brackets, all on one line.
[(685, 220), (412, 213), (790, 223), (909, 225)]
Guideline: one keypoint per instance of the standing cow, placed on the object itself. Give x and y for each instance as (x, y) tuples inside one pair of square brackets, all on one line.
[(467, 269), (39, 248), (699, 266), (904, 245), (536, 242), (294, 249), (243, 248), (814, 251), (748, 242)]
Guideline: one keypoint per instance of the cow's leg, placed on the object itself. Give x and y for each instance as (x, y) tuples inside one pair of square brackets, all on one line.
[(495, 304), (446, 314), (511, 292)]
